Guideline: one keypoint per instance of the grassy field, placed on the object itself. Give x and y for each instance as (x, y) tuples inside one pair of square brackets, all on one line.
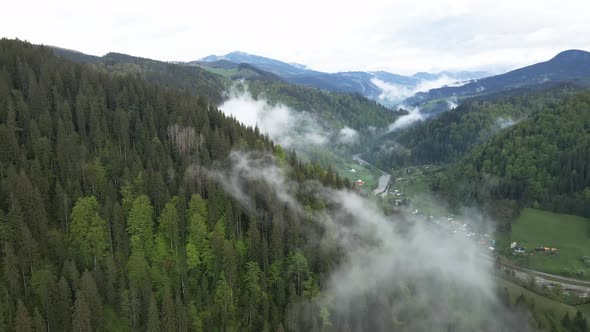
[(585, 308), (569, 234), (225, 72), (368, 174), (542, 304), (343, 166), (415, 185)]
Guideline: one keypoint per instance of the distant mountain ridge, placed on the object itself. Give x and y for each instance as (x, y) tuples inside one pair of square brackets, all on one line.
[(571, 66), (349, 82), (276, 67)]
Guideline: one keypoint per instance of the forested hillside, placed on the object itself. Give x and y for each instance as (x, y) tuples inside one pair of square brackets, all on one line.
[(571, 66), (451, 135), (336, 109), (543, 161), (191, 79), (107, 221)]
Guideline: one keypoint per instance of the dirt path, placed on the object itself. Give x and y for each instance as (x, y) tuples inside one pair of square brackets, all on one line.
[(579, 287)]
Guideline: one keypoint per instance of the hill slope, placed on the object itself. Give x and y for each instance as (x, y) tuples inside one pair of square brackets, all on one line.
[(569, 66), (452, 134), (542, 161), (348, 82), (107, 216), (336, 109)]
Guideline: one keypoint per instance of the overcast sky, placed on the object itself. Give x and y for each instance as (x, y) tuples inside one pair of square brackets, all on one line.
[(398, 36)]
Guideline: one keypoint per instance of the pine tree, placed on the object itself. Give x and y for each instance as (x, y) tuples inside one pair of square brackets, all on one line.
[(23, 322), (82, 316), (169, 223), (92, 298), (89, 231), (153, 323), (140, 224), (38, 322), (63, 304), (169, 317)]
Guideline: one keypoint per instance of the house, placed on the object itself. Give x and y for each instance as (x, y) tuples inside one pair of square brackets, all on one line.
[(360, 183)]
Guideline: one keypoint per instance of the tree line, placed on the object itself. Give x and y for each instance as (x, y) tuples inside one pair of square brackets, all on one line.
[(107, 221)]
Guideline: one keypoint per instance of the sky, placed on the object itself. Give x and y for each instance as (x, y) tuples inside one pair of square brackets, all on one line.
[(397, 36)]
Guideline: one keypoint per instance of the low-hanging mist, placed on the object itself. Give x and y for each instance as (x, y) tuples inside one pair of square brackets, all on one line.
[(404, 121), (397, 93), (288, 127), (395, 272)]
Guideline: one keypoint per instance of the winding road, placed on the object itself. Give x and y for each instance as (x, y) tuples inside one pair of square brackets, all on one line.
[(383, 180)]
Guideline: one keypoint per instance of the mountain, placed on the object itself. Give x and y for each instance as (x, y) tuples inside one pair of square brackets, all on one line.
[(130, 202), (236, 71), (334, 109), (276, 67), (457, 75), (569, 66), (193, 79), (401, 79), (107, 212), (347, 82), (544, 160), (449, 136)]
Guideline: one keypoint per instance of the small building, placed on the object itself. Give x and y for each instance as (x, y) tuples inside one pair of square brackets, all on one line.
[(360, 183)]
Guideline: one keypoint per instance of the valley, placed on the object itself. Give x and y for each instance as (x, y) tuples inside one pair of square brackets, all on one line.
[(245, 193)]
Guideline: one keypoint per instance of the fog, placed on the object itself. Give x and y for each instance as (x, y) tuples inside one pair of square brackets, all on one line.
[(452, 104), (395, 270), (283, 125), (505, 122), (348, 136), (397, 93), (404, 121)]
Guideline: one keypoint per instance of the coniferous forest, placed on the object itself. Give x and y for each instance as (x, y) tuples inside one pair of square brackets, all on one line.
[(117, 212), (107, 221)]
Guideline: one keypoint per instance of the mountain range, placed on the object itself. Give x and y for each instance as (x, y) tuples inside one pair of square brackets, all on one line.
[(571, 66), (370, 84), (432, 92)]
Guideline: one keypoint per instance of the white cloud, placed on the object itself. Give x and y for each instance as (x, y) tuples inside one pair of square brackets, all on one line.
[(282, 124), (398, 92), (397, 36), (348, 136), (505, 122), (452, 103), (406, 120), (382, 256)]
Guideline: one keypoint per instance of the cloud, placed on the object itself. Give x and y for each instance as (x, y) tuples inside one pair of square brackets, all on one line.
[(254, 167), (348, 136), (505, 122), (282, 124), (393, 269), (397, 93), (406, 120), (397, 36), (452, 104)]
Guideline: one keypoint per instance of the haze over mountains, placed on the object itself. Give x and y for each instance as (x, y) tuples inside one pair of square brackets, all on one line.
[(239, 193), (376, 85), (571, 66), (393, 89), (432, 92)]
